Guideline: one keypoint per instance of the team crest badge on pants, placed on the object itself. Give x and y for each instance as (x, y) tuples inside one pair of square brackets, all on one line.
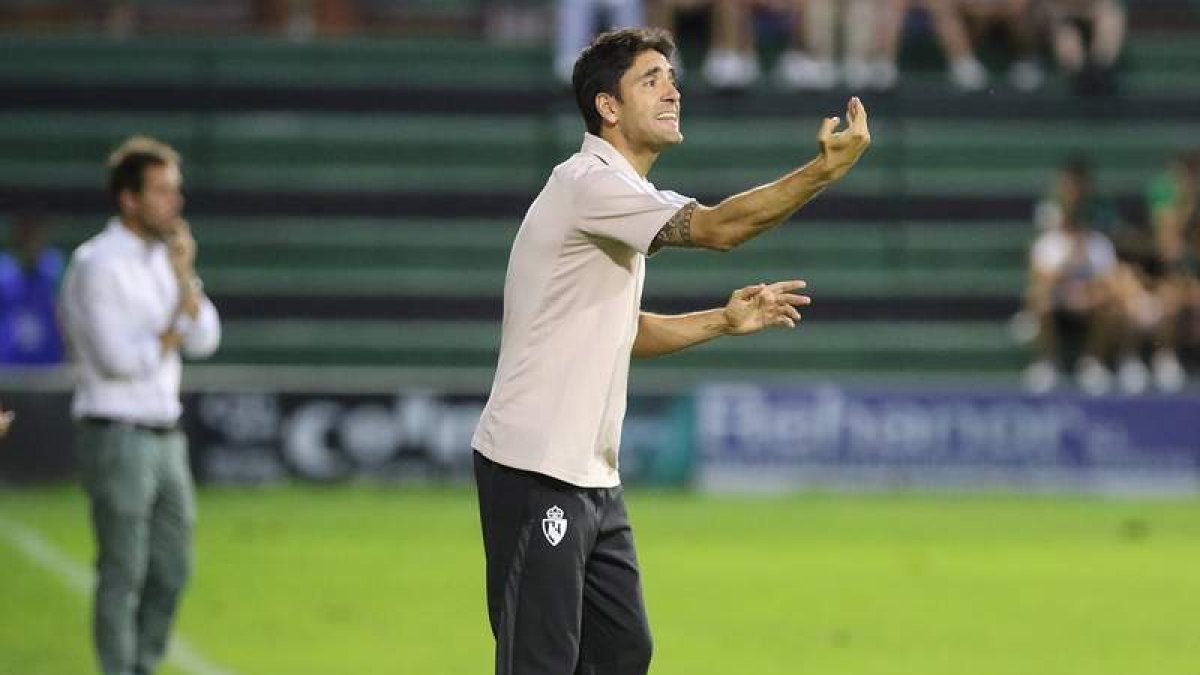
[(554, 526)]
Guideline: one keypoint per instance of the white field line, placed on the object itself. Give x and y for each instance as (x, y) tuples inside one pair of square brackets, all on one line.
[(78, 578)]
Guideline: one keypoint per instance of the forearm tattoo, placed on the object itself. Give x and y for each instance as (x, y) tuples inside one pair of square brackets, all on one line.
[(678, 230)]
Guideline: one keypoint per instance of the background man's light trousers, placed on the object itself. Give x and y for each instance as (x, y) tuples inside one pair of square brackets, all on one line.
[(143, 509)]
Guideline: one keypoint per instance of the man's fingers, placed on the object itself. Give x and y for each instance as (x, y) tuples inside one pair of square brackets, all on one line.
[(827, 128), (748, 292), (787, 286), (854, 109), (856, 112), (795, 300)]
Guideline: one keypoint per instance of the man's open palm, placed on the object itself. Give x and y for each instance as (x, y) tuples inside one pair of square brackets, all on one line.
[(761, 306)]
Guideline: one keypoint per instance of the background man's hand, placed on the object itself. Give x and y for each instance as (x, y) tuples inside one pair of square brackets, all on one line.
[(169, 341), (6, 419), (755, 308), (181, 251), (840, 150)]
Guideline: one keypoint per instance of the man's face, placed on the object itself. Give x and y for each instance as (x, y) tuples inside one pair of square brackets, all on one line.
[(160, 202), (1072, 189), (650, 103)]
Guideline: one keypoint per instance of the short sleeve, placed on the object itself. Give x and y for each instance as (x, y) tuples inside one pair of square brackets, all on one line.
[(624, 208)]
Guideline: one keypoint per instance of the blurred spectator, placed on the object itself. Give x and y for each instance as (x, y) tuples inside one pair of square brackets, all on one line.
[(963, 67), (121, 18), (1093, 65), (1073, 190), (6, 420), (1174, 205), (578, 22), (731, 62), (1078, 293), (1017, 20), (870, 35), (38, 15), (954, 20), (294, 18), (297, 19), (516, 22), (29, 280)]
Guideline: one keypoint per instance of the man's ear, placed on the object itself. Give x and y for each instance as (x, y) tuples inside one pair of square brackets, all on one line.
[(606, 105)]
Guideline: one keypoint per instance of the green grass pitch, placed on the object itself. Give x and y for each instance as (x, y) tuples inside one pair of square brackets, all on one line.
[(372, 580)]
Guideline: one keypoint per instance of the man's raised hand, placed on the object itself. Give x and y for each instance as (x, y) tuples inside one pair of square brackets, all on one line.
[(840, 150)]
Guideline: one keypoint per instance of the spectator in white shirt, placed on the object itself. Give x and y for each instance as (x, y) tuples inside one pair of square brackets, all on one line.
[(131, 302), (1079, 293)]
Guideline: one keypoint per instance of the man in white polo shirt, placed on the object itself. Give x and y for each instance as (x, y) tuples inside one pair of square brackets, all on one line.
[(563, 586), (131, 302)]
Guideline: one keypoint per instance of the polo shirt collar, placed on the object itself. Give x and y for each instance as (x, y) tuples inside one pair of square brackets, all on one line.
[(594, 145)]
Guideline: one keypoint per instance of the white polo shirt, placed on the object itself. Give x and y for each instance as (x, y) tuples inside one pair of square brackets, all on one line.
[(118, 296), (571, 301)]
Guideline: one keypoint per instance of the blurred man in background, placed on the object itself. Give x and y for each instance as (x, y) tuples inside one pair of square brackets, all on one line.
[(131, 303), (29, 277), (563, 584)]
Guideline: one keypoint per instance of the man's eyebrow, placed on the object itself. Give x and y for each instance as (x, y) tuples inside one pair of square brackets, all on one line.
[(656, 70)]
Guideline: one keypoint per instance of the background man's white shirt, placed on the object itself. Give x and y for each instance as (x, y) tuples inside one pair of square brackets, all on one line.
[(118, 297)]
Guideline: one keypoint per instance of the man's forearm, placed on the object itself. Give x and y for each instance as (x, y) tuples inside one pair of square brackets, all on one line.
[(659, 335), (747, 215)]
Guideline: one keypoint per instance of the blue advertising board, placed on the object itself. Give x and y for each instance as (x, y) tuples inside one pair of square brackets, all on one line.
[(409, 436), (758, 438)]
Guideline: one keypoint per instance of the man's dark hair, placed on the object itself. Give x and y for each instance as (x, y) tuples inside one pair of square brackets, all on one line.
[(600, 66), (127, 164), (1078, 167)]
